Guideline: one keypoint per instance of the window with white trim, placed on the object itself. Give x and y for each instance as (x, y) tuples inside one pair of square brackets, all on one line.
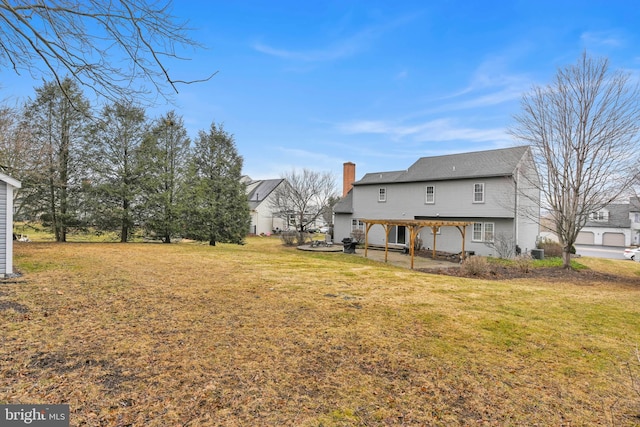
[(382, 195), (478, 192), (483, 232), (430, 194), (489, 231), (356, 224), (477, 232), (600, 216)]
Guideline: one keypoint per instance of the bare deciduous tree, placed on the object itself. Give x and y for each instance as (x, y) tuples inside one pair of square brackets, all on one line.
[(583, 129), (112, 47), (19, 157), (303, 197)]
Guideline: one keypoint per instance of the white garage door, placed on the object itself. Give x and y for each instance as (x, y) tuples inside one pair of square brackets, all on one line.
[(585, 238), (613, 239)]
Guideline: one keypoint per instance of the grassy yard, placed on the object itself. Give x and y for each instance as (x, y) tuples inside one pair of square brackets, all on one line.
[(262, 335)]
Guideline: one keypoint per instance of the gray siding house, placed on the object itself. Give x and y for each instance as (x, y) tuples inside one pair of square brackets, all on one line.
[(7, 186), (618, 224), (497, 190)]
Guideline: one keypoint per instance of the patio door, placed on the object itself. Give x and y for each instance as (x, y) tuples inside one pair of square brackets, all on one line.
[(398, 235)]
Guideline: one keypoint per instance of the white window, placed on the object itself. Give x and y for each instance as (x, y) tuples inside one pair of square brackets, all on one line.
[(600, 216), (483, 232), (488, 232), (382, 195), (478, 192), (430, 194), (477, 232), (356, 224)]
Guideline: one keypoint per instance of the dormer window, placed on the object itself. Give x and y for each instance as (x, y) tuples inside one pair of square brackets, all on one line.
[(599, 216)]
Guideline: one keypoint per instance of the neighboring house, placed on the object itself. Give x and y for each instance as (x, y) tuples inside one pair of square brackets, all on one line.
[(497, 190), (259, 194), (7, 186), (616, 225)]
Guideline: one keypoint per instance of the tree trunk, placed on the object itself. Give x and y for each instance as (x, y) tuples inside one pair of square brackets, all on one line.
[(566, 258), (212, 242), (166, 239)]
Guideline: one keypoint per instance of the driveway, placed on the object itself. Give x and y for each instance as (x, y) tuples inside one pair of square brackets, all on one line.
[(611, 252)]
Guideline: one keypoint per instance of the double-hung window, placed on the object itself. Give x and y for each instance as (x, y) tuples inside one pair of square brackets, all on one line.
[(483, 232), (477, 232), (430, 194), (478, 192), (356, 224), (488, 232), (382, 194)]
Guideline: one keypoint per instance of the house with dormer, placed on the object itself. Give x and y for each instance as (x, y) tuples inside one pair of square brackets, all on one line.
[(497, 191), (617, 224)]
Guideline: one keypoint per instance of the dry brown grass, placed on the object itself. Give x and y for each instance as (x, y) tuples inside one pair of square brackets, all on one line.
[(192, 335)]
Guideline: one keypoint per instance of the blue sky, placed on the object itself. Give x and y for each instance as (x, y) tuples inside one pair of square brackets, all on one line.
[(305, 84)]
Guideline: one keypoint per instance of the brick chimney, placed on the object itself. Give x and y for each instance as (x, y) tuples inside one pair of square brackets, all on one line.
[(348, 177)]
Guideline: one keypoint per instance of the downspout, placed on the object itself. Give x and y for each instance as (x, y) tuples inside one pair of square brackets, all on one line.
[(516, 178)]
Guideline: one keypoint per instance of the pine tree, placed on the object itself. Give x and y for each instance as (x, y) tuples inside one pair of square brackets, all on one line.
[(57, 120), (115, 178), (162, 160), (215, 206)]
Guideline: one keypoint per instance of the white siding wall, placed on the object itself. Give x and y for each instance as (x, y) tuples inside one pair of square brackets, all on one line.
[(6, 232), (263, 220)]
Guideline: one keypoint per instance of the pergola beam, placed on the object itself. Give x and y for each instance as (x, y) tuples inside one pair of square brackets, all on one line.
[(414, 226)]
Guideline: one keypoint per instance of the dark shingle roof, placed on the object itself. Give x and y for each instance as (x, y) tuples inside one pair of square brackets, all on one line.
[(344, 205), (500, 162), (261, 191), (618, 217)]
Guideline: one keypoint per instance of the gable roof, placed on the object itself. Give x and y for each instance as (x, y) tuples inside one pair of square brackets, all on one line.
[(478, 164), (618, 217), (11, 181), (260, 190), (344, 205)]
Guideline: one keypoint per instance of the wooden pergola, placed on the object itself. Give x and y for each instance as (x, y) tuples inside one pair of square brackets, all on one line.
[(414, 226)]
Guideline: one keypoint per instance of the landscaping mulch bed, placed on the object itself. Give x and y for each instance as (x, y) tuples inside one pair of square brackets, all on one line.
[(550, 274)]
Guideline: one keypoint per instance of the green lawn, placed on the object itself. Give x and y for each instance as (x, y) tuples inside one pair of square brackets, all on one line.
[(260, 334)]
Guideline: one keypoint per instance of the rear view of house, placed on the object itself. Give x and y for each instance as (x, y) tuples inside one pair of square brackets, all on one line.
[(496, 190)]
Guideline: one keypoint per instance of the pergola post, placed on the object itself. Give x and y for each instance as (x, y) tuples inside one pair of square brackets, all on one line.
[(462, 231), (414, 228), (434, 230), (366, 236)]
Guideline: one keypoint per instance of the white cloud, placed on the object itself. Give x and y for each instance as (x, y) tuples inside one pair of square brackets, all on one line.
[(438, 130), (609, 38), (343, 48), (402, 75)]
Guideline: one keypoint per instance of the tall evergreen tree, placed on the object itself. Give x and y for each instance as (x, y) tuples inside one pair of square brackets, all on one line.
[(115, 176), (163, 159), (215, 204), (57, 119)]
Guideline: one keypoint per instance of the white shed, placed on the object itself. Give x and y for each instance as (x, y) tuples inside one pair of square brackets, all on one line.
[(7, 186)]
